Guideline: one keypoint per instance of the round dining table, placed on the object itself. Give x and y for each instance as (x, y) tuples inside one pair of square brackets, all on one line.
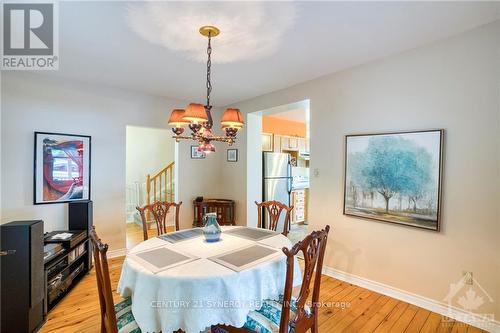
[(201, 290)]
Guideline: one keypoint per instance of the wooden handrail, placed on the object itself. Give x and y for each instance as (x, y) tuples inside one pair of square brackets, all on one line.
[(160, 186), (170, 166)]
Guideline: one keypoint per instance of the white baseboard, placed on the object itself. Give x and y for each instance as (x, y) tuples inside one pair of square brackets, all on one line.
[(421, 301), (117, 253)]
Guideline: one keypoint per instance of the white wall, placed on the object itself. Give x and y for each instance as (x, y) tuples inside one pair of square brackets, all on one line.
[(452, 84), (148, 150), (38, 103), (254, 171), (199, 177)]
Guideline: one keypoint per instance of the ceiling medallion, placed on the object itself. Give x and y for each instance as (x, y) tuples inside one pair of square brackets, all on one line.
[(198, 117)]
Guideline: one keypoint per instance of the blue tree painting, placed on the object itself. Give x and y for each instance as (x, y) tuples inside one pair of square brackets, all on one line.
[(394, 177)]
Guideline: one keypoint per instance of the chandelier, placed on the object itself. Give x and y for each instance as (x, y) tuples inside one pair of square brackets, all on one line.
[(198, 117)]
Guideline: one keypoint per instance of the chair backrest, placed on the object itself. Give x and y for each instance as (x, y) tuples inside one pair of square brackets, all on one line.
[(313, 248), (159, 209), (108, 315), (274, 209)]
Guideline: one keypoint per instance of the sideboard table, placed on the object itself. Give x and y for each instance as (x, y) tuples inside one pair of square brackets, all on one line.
[(224, 209)]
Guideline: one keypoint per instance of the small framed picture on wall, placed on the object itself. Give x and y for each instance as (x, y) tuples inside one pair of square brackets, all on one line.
[(232, 155), (62, 168), (196, 154)]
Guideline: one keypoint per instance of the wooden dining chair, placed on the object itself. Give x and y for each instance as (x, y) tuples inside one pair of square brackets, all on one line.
[(159, 210), (115, 318), (274, 209), (290, 314)]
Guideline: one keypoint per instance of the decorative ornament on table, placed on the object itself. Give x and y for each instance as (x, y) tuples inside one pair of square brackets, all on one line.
[(211, 229)]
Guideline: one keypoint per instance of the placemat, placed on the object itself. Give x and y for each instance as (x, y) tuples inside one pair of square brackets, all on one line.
[(178, 236), (244, 258), (255, 234), (160, 259)]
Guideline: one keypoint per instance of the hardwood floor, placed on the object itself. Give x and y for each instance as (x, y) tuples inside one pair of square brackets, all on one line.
[(135, 236), (347, 308)]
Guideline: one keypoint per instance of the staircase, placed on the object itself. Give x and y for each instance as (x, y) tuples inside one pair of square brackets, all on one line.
[(158, 187)]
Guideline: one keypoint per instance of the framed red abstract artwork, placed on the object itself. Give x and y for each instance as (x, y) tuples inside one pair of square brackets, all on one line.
[(62, 168)]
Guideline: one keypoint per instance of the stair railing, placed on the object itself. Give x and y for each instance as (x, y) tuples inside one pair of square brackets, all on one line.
[(160, 186)]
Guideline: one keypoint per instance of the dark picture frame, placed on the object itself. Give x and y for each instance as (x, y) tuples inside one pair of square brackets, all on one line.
[(232, 155), (61, 155), (414, 196), (197, 155)]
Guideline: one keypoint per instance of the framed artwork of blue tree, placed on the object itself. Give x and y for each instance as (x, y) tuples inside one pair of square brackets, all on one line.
[(395, 177)]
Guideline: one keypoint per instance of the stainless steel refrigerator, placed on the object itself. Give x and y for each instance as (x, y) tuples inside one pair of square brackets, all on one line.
[(277, 180)]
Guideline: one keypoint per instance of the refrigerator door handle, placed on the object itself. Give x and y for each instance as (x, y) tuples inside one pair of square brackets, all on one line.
[(290, 180)]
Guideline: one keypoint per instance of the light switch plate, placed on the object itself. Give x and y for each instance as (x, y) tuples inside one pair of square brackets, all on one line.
[(316, 173)]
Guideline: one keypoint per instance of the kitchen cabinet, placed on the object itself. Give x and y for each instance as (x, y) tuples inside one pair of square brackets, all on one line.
[(303, 145), (279, 143), (289, 143), (293, 143), (267, 142), (299, 202)]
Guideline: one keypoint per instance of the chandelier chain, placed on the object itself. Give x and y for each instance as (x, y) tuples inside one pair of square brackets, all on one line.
[(209, 65)]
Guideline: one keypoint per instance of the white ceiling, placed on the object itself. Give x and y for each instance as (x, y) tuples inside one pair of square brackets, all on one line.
[(97, 44)]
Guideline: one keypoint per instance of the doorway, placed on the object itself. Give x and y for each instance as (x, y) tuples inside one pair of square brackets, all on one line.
[(275, 135), (150, 176)]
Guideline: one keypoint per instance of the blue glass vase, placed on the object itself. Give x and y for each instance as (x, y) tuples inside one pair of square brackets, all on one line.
[(211, 229)]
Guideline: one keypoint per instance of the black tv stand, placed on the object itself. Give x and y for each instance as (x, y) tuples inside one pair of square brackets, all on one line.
[(64, 270)]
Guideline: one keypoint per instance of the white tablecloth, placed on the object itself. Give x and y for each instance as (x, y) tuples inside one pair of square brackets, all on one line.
[(201, 293)]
